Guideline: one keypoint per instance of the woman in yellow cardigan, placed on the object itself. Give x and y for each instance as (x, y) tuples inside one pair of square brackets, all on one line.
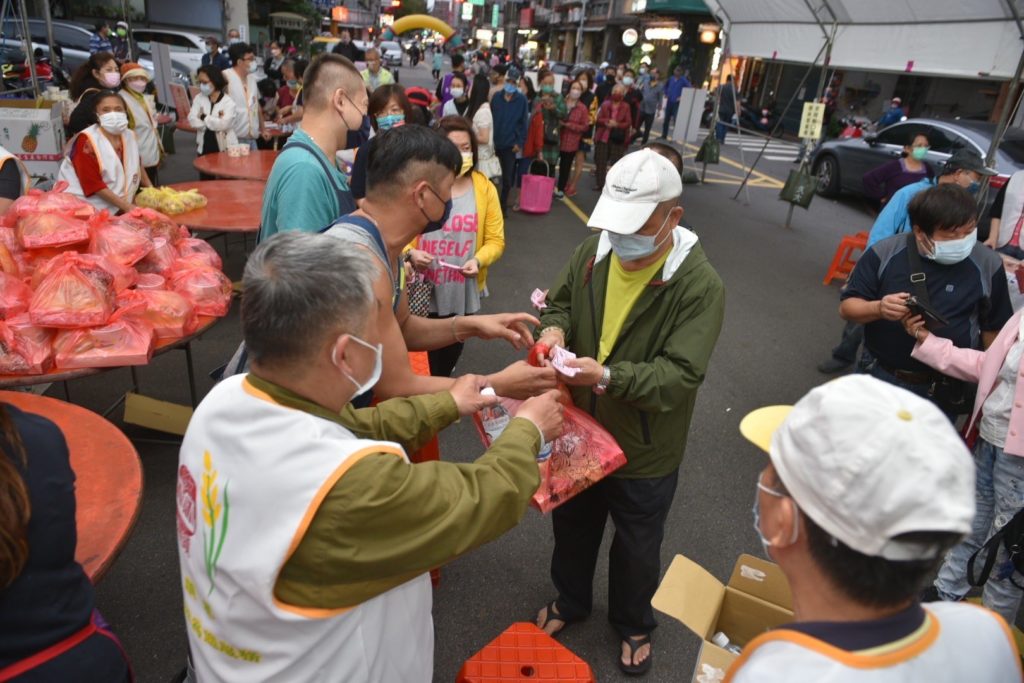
[(455, 258)]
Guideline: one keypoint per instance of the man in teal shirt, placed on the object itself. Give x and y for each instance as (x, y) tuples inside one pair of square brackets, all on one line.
[(306, 191)]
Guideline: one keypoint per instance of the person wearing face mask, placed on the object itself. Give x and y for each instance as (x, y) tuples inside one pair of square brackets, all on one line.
[(410, 173), (552, 110), (479, 112), (651, 93), (614, 121), (121, 42), (632, 96), (858, 525), (604, 89), (574, 127), (99, 41), (244, 90), (510, 110), (374, 75), (214, 56), (944, 267), (289, 88), (883, 182), (346, 48), (141, 117), (272, 65), (388, 108), (331, 581), (443, 91), (99, 72), (472, 240), (641, 307), (458, 88), (212, 114), (103, 166), (234, 37)]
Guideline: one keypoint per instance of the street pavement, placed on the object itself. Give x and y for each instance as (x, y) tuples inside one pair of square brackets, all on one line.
[(780, 322)]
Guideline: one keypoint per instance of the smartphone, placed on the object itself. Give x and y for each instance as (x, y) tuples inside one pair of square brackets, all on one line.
[(930, 314)]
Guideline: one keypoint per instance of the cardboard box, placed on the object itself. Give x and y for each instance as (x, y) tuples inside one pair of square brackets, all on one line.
[(35, 132), (756, 599)]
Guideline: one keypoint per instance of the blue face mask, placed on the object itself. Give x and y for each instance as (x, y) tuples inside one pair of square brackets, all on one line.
[(636, 247), (974, 187), (390, 121), (439, 223), (511, 89)]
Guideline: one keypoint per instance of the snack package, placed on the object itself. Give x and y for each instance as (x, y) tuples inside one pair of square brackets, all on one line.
[(117, 242), (160, 259), (75, 292), (193, 247), (14, 296), (159, 224), (171, 315), (208, 289), (24, 348), (56, 200), (583, 455), (125, 340), (168, 200), (54, 229)]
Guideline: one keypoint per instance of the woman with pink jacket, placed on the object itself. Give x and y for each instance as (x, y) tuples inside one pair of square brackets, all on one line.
[(998, 421)]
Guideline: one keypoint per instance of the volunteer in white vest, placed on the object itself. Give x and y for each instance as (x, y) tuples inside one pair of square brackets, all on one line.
[(867, 487), (244, 90), (1007, 218), (103, 165), (14, 179), (141, 117), (305, 534)]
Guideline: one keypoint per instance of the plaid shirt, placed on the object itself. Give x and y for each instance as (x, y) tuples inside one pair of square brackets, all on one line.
[(574, 127)]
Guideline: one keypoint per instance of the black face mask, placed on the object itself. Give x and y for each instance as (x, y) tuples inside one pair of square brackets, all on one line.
[(438, 224)]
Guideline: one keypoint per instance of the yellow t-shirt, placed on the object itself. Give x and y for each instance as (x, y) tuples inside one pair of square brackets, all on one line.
[(624, 288)]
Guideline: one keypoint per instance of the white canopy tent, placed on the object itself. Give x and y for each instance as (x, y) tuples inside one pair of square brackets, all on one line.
[(956, 38)]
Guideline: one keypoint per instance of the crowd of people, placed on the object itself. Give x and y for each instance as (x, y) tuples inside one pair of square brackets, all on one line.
[(382, 217)]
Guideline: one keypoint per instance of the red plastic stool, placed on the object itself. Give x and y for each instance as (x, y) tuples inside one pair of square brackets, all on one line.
[(842, 262), (523, 652)]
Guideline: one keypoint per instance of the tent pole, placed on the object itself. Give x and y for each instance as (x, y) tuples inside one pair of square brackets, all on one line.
[(778, 124), (1004, 115), (713, 124)]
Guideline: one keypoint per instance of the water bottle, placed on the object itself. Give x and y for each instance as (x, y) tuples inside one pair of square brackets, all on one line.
[(722, 641), (494, 418)]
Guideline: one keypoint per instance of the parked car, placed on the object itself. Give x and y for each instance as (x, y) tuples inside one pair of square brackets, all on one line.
[(187, 48), (841, 164), (391, 53)]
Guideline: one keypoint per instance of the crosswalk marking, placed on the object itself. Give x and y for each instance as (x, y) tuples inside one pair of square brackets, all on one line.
[(777, 150)]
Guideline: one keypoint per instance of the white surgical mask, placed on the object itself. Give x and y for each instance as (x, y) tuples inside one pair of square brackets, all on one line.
[(953, 251), (765, 543), (206, 88), (114, 122), (627, 81), (252, 66), (378, 366), (457, 92), (635, 247)]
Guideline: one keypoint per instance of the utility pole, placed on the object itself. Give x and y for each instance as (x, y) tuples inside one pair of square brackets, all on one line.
[(579, 33)]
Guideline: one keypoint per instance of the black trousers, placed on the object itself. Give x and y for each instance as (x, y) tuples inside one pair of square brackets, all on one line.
[(443, 360), (646, 120), (507, 159), (154, 175), (565, 160), (638, 508)]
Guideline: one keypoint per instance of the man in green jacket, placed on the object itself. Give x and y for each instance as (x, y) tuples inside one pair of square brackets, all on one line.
[(642, 308)]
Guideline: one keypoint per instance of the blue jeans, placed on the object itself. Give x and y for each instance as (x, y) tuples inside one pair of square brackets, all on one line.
[(671, 109), (999, 492)]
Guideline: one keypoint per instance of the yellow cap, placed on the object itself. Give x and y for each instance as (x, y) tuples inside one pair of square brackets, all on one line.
[(759, 425)]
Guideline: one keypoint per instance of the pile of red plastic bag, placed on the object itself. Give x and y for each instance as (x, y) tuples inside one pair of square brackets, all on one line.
[(81, 288)]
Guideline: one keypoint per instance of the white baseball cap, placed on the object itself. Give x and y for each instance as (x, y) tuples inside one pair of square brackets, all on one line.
[(634, 186), (868, 461)]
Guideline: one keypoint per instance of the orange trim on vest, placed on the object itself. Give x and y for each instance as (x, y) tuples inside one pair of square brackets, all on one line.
[(307, 519), (851, 659)]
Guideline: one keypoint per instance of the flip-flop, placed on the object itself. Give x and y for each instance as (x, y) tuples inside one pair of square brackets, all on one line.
[(635, 643), (550, 615)]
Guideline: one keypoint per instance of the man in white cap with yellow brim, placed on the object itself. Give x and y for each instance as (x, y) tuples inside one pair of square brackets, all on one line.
[(642, 307), (867, 487)]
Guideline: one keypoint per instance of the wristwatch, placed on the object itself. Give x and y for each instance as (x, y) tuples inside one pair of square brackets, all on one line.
[(602, 384)]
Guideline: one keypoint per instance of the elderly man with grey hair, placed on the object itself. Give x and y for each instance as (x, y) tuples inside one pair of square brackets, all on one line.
[(375, 75), (305, 533)]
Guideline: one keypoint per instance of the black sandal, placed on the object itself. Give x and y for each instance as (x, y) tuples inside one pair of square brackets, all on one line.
[(551, 614), (635, 643)]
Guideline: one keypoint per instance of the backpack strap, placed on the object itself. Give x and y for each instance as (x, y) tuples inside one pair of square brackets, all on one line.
[(292, 142), (368, 226)]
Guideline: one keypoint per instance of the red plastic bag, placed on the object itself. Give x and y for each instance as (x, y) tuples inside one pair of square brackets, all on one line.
[(208, 289), (159, 224), (56, 200), (192, 248), (583, 455), (125, 340), (14, 296), (117, 242), (75, 292), (24, 348), (160, 260), (171, 315), (12, 256), (40, 230), (123, 276)]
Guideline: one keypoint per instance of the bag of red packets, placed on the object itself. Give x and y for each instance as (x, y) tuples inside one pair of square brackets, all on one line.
[(124, 340), (583, 455), (116, 241), (208, 289), (160, 260), (199, 251), (159, 224), (14, 296), (24, 348), (74, 291), (171, 315)]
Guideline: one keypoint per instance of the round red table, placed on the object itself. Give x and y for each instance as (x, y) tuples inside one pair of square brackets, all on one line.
[(255, 166), (108, 478), (232, 205)]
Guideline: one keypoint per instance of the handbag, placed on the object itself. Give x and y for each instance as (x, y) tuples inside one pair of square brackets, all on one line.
[(799, 188), (1011, 535), (419, 290), (709, 150), (550, 130)]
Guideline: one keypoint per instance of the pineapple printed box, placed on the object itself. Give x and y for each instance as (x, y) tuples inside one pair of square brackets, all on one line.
[(35, 132)]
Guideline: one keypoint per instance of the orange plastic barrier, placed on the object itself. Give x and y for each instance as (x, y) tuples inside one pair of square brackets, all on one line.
[(843, 261), (523, 652)]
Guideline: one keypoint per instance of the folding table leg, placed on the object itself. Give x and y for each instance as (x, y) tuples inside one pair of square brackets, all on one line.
[(191, 375)]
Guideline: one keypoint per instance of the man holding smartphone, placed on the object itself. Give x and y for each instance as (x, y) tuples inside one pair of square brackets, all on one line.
[(958, 282)]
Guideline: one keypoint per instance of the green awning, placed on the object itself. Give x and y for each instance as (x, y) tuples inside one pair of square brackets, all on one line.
[(695, 6)]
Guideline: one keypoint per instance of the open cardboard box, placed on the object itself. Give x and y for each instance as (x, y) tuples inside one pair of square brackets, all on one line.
[(756, 599)]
